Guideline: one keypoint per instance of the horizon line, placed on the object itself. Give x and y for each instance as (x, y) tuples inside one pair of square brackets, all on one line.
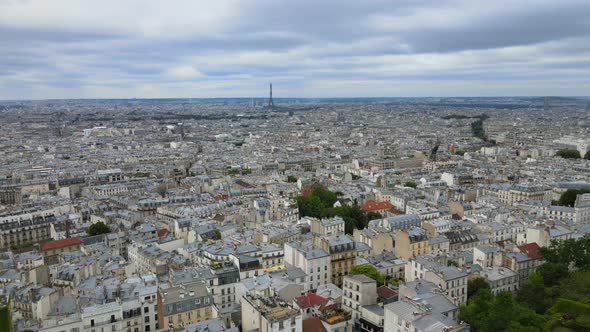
[(309, 98)]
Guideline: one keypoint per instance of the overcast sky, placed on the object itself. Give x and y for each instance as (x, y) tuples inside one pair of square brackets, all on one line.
[(307, 48)]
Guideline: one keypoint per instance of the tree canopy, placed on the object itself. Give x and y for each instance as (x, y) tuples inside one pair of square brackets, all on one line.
[(411, 184), (574, 251), (500, 313), (556, 297), (568, 154), (320, 204), (371, 272), (98, 228), (568, 198), (474, 285)]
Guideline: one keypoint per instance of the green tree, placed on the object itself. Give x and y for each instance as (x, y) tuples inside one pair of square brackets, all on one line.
[(291, 179), (411, 184), (576, 251), (310, 206), (553, 273), (587, 155), (500, 313), (369, 271), (474, 285), (98, 228), (6, 318), (320, 204), (576, 286), (570, 314), (216, 235), (327, 197), (451, 262), (568, 198), (534, 295), (372, 215), (568, 154)]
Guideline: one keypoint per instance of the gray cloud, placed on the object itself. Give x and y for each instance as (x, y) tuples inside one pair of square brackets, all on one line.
[(233, 47)]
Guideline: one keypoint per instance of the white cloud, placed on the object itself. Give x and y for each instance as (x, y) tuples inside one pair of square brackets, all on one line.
[(185, 71)]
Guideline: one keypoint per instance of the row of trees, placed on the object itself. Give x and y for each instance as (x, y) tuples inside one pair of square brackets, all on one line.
[(320, 204), (477, 127), (572, 154), (556, 297), (568, 154)]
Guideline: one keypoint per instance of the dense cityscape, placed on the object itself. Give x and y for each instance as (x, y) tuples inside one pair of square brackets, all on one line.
[(388, 214), (294, 166)]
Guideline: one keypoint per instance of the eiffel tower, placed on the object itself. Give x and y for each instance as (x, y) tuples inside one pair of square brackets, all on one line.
[(271, 103)]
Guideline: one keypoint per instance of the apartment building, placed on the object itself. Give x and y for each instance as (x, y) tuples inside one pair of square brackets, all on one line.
[(314, 262), (269, 314), (411, 243), (358, 290), (343, 254), (184, 304)]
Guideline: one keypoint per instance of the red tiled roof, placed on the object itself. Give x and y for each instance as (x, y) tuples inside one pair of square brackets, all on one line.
[(376, 206), (60, 243), (313, 324), (531, 250), (385, 292), (311, 300), (163, 232), (221, 197)]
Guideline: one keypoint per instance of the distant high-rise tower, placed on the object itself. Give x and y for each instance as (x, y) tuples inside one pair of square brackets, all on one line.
[(271, 103)]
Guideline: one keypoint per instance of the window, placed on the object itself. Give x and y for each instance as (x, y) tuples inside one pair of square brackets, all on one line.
[(147, 319), (92, 322), (146, 310)]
